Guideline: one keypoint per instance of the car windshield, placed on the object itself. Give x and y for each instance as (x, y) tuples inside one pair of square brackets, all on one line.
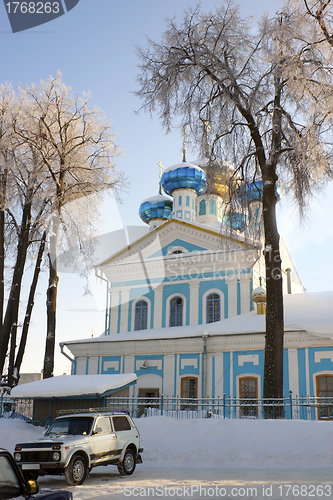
[(77, 426), (9, 482)]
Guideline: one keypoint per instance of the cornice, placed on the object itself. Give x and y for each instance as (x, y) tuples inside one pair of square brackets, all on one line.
[(215, 344)]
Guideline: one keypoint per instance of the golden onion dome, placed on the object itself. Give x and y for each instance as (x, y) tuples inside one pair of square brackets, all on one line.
[(219, 174)]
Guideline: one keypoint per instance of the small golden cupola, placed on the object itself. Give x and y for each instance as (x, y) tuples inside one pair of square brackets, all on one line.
[(259, 297)]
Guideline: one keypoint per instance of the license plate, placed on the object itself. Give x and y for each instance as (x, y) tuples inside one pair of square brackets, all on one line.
[(30, 466)]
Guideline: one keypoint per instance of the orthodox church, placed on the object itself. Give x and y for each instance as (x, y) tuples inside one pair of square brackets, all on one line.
[(186, 301)]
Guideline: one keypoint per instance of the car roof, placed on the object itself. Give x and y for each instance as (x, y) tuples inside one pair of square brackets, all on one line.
[(79, 413)]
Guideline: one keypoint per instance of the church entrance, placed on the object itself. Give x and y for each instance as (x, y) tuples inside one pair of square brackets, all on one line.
[(148, 399)]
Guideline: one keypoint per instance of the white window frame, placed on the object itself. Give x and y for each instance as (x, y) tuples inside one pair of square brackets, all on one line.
[(167, 308), (204, 304), (173, 249), (133, 312), (248, 375)]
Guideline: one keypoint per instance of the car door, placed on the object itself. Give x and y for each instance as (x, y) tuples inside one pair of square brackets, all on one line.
[(104, 441), (123, 430)]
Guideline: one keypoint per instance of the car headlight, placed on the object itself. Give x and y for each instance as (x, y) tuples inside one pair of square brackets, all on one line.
[(56, 456), (18, 457)]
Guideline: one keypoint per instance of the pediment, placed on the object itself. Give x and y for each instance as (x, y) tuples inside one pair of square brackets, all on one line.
[(176, 235)]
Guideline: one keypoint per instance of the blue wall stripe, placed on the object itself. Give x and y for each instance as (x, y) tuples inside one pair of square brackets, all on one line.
[(301, 372), (213, 377), (226, 374), (286, 373), (175, 277)]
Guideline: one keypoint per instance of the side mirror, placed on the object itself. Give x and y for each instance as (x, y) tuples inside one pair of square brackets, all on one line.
[(31, 488)]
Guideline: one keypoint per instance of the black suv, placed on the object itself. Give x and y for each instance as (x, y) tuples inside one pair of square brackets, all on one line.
[(13, 485)]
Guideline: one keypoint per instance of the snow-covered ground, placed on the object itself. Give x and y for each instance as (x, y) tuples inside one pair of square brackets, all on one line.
[(210, 458)]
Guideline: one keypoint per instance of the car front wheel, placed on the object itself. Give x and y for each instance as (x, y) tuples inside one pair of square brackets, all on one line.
[(76, 470), (127, 465)]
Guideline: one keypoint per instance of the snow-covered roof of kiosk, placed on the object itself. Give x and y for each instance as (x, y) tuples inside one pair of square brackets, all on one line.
[(311, 312), (74, 385)]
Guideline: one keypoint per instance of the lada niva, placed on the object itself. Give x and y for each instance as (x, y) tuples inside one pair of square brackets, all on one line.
[(76, 443)]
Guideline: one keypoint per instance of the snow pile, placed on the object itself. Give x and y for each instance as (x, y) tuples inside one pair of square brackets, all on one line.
[(14, 430), (216, 443), (236, 443)]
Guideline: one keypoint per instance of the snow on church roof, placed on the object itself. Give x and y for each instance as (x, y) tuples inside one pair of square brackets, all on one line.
[(312, 312), (73, 385)]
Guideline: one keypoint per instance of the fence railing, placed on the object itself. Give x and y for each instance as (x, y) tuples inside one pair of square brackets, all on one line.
[(305, 408)]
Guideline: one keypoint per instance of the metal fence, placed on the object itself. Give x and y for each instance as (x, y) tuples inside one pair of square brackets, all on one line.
[(304, 408)]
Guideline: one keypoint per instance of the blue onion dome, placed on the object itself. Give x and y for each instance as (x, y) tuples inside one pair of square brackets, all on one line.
[(184, 176), (157, 207), (251, 191), (235, 220)]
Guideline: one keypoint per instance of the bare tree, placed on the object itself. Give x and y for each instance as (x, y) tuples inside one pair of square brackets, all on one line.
[(54, 152), (24, 206), (77, 149), (261, 91), (320, 13)]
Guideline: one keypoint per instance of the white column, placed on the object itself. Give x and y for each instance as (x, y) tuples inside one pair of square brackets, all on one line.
[(232, 297), (124, 311), (245, 295), (194, 302), (114, 305), (158, 306), (93, 365), (293, 371)]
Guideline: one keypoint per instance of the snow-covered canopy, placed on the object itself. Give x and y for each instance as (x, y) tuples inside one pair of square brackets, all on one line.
[(74, 385), (311, 312)]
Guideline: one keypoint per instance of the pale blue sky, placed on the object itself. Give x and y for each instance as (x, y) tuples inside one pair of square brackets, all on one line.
[(93, 46)]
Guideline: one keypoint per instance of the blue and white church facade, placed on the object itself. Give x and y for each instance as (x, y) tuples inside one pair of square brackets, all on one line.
[(181, 304)]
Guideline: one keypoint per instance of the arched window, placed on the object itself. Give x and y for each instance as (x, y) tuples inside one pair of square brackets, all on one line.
[(325, 390), (180, 200), (176, 312), (212, 207), (213, 308), (141, 315), (187, 201), (202, 207)]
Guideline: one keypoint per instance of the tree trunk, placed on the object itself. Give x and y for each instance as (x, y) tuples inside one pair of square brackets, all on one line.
[(51, 301), (29, 309), (273, 368), (51, 307), (3, 183), (15, 291)]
